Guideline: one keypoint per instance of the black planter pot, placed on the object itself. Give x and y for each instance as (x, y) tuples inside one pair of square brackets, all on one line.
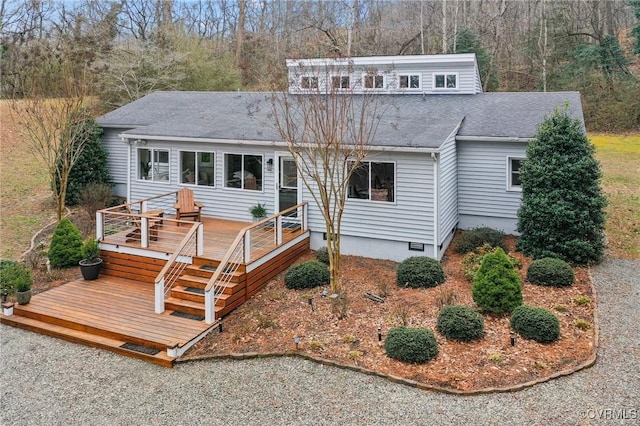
[(90, 269)]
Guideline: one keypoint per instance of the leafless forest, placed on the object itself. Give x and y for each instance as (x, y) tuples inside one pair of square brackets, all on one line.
[(127, 48)]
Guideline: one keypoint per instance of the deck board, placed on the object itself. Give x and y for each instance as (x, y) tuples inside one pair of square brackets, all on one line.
[(115, 305)]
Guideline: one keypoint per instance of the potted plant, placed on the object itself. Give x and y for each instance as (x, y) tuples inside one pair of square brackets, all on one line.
[(91, 263), (259, 212), (18, 277)]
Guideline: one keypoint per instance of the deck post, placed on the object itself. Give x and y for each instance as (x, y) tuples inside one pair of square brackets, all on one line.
[(278, 230), (159, 296), (144, 236), (247, 246), (200, 240), (304, 217), (209, 313), (143, 206), (99, 226)]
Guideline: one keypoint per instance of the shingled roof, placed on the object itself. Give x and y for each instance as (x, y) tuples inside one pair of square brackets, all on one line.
[(422, 121)]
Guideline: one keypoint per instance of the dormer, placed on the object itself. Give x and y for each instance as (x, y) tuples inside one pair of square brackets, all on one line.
[(414, 74)]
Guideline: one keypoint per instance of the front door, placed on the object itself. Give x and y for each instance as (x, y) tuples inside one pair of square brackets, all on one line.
[(287, 185)]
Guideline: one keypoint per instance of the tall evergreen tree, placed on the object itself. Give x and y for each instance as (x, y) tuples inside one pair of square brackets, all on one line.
[(468, 42), (636, 30), (562, 203)]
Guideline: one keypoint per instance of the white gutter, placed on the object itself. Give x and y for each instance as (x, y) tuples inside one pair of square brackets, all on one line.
[(436, 237), (278, 144), (492, 139)]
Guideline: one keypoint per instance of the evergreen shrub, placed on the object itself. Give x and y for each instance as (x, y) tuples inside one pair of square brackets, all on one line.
[(66, 245), (410, 344), (477, 237), (322, 255), (538, 324), (419, 271), (497, 287), (460, 323), (306, 275), (549, 271), (562, 210)]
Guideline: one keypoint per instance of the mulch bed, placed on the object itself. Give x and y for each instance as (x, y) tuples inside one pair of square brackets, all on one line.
[(270, 320)]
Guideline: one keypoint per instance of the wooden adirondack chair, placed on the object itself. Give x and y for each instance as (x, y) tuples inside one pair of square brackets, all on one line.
[(186, 206)]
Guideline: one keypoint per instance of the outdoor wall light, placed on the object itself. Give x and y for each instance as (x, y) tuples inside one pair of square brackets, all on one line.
[(270, 164)]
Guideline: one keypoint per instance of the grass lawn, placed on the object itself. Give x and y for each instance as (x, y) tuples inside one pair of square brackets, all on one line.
[(619, 156)]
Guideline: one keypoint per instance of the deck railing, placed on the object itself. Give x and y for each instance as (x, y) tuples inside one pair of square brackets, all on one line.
[(251, 243), (181, 257)]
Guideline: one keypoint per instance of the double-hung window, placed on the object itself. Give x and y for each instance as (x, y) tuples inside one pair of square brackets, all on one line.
[(153, 164), (409, 81), (445, 81), (374, 181), (243, 171), (513, 173), (197, 168)]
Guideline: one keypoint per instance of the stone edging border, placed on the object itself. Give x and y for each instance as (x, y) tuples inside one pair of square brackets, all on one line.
[(412, 383), (35, 236)]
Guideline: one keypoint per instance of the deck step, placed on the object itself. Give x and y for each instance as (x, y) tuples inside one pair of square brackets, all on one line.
[(85, 338), (187, 279)]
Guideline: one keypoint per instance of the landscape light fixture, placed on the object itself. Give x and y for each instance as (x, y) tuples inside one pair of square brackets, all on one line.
[(513, 338), (325, 292), (379, 334), (311, 304), (220, 326), (296, 340)]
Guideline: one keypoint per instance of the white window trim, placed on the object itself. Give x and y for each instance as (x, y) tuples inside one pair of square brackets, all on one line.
[(309, 77), (152, 150), (445, 74), (224, 170), (364, 85), (195, 183), (409, 75), (350, 86), (510, 186), (395, 185)]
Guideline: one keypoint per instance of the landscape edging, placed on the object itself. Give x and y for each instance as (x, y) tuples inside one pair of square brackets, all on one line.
[(412, 383)]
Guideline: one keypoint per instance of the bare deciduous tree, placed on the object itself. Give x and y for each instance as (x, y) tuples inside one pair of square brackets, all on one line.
[(53, 127), (328, 129)]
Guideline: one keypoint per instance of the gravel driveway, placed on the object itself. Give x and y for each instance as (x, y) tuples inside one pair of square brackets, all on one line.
[(45, 381)]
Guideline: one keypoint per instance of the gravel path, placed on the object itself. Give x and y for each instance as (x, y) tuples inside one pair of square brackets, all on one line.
[(45, 381)]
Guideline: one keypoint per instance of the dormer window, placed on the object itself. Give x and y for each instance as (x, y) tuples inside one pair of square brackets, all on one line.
[(373, 81), (410, 81), (340, 82), (445, 81), (307, 82)]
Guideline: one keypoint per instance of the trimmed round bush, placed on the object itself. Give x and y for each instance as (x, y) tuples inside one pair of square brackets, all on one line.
[(411, 344), (538, 324), (460, 323), (496, 286), (322, 255), (550, 271), (420, 271), (306, 275), (477, 237), (66, 245)]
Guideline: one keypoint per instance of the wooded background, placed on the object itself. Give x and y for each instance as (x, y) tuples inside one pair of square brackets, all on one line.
[(133, 47)]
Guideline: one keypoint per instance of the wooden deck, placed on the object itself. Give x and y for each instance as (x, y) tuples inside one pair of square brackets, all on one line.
[(108, 313)]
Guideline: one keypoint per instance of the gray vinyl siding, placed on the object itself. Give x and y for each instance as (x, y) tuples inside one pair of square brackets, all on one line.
[(447, 189), (408, 219), (226, 203), (117, 159), (466, 78), (482, 179)]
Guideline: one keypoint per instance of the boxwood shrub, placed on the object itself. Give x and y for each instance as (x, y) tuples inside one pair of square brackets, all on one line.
[(66, 245), (477, 237), (538, 324), (496, 286), (307, 275), (419, 271), (322, 255), (411, 344), (550, 271), (460, 323)]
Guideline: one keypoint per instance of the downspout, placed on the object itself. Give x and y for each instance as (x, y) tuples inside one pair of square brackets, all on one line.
[(436, 253), (128, 142)]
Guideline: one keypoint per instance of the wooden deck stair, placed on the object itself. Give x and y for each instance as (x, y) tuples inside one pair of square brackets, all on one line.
[(187, 295)]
